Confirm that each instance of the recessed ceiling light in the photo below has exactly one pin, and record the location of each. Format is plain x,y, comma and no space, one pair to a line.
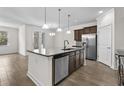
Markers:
100,12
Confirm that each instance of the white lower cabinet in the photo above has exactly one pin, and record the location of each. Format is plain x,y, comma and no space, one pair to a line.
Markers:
40,69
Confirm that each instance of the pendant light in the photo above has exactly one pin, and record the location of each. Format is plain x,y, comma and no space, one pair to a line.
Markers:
52,34
59,28
68,31
45,26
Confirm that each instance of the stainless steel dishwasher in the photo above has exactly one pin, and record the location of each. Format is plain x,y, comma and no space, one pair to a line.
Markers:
61,67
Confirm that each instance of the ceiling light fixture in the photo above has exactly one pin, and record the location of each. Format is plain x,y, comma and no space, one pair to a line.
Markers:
52,34
59,29
100,12
68,31
45,26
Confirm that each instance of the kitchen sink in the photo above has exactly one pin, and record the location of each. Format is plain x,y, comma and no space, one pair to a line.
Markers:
68,49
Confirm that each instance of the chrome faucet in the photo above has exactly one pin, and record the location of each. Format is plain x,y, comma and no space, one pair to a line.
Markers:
65,43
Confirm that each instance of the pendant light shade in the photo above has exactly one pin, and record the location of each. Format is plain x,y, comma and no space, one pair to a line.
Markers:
45,26
68,31
52,34
59,28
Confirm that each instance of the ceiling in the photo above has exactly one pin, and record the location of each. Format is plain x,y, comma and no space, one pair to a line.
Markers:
35,15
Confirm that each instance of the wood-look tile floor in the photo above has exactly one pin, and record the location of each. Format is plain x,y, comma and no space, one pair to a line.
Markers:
93,74
13,69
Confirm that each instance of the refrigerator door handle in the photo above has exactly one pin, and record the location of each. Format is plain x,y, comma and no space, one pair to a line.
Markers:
87,43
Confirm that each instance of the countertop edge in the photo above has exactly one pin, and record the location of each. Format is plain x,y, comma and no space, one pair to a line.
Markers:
54,54
39,53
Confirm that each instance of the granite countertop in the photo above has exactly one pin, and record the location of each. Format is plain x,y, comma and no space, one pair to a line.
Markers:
53,52
120,52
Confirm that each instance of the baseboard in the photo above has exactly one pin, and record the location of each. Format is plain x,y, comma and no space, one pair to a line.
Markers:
9,53
22,54
34,79
114,68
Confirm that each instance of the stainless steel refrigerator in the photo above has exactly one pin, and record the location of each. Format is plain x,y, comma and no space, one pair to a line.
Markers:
91,45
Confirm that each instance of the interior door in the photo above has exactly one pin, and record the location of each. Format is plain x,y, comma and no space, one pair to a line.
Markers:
104,44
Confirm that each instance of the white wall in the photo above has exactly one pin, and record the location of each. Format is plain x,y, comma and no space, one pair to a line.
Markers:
30,29
26,38
12,46
119,28
22,40
49,40
61,36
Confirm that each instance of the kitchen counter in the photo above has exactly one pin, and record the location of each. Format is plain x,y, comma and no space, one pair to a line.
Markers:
53,52
51,66
120,52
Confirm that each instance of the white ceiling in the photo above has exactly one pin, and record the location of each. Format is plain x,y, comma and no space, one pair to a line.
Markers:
35,15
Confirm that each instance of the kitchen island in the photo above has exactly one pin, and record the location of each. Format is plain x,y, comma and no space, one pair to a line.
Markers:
51,66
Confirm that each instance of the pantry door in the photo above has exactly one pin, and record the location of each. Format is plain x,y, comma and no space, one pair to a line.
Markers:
105,44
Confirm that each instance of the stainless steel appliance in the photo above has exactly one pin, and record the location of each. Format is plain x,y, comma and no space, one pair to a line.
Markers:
61,67
91,45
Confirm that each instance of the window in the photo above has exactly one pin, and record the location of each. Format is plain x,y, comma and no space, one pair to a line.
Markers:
3,38
39,39
43,39
36,40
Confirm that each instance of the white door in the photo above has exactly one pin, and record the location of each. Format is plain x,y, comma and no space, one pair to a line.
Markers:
104,44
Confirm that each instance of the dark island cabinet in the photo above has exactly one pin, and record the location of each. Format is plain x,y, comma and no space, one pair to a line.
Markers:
76,60
81,57
72,63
